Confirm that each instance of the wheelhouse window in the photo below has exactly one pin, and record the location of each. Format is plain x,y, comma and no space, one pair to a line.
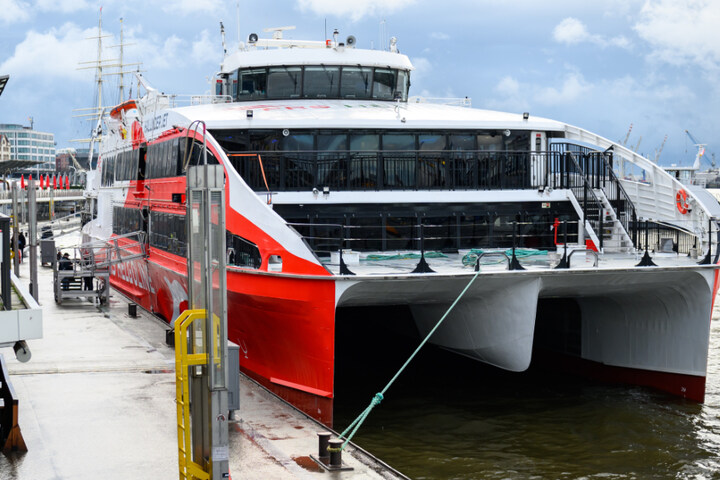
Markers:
284,82
252,84
320,81
385,84
356,82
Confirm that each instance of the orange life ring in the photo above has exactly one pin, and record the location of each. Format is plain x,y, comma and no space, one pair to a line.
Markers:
681,200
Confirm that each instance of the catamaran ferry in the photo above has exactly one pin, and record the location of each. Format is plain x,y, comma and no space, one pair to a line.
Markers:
344,191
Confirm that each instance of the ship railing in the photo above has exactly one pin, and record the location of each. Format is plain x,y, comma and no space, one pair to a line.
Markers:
7,195
454,234
597,167
451,101
174,101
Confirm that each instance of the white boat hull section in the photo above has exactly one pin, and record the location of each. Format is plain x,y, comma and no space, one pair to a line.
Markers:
652,318
496,328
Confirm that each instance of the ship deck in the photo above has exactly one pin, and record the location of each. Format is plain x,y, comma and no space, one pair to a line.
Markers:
497,260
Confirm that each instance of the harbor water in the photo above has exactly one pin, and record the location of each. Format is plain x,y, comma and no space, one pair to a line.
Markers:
448,417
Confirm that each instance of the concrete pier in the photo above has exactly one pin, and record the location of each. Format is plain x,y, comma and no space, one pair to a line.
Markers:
97,401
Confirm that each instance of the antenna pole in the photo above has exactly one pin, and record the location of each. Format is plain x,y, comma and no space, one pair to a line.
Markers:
99,62
122,75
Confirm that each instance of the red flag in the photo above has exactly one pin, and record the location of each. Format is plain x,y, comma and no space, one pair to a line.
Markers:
42,182
54,182
22,182
67,183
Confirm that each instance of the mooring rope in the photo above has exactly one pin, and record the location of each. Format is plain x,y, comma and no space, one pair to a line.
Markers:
355,425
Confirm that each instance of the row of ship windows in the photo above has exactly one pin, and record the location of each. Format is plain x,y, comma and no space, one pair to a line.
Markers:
323,81
368,140
160,160
168,233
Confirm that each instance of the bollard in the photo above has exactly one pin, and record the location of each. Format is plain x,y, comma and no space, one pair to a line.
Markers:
335,448
132,309
323,439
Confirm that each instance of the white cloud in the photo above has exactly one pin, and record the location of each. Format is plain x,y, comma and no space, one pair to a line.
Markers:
12,11
508,87
204,50
571,90
439,36
682,32
572,31
54,54
190,7
356,9
65,6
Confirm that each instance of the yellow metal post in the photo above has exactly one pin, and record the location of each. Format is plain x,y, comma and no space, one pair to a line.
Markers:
189,470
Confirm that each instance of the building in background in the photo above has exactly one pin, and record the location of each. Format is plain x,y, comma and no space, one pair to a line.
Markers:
4,148
32,146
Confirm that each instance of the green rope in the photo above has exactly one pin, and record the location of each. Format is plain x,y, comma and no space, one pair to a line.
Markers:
355,425
403,256
471,257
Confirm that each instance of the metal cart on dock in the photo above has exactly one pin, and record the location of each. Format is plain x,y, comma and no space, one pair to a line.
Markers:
86,273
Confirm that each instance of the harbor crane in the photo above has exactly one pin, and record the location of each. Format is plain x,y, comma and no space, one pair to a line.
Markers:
700,150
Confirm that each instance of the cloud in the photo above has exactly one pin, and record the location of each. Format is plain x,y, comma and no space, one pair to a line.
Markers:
682,32
12,11
191,7
65,6
572,31
54,54
512,95
439,36
204,50
356,9
573,87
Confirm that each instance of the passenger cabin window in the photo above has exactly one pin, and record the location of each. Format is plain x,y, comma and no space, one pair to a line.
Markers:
320,81
126,220
167,232
380,159
242,252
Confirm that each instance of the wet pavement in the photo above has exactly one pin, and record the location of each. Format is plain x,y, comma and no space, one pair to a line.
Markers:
97,400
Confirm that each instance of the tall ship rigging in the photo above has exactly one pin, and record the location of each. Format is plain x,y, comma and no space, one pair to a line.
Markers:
342,190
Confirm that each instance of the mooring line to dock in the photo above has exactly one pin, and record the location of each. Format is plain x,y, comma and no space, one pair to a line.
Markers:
378,397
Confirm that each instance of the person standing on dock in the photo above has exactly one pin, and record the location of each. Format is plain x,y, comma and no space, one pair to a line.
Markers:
21,245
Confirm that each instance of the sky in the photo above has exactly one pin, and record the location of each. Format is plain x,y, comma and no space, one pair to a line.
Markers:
600,65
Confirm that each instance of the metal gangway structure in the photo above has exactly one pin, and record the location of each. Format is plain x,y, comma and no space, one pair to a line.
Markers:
87,274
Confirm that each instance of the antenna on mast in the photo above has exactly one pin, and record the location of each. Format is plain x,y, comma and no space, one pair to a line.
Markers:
222,34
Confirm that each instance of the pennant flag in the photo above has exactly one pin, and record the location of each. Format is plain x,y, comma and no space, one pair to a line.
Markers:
22,182
67,183
54,182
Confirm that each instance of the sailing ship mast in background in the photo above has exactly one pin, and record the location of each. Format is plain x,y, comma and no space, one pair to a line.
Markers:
103,68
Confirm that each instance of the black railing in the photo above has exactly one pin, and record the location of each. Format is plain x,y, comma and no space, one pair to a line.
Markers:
324,238
620,201
665,238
